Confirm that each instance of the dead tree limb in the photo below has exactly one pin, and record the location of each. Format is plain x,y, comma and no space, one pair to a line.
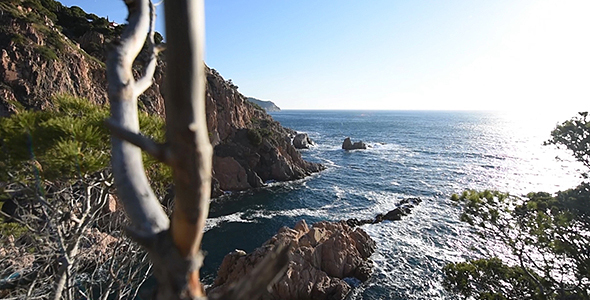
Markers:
174,250
174,247
138,199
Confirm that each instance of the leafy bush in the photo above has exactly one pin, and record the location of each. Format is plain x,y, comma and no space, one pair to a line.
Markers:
548,242
488,279
574,135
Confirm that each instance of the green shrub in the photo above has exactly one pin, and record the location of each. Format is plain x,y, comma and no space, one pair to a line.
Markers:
256,106
66,141
11,229
254,137
47,53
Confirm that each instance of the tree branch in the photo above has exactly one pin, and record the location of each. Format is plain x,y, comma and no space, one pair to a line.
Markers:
136,196
174,249
156,150
146,80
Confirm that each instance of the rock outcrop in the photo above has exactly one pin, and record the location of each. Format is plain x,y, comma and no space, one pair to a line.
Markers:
37,61
248,135
322,257
403,208
348,145
302,141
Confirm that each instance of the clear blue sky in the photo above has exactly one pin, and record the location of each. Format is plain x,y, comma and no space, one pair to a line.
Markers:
388,54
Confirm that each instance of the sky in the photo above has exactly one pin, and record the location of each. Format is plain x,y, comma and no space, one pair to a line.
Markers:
516,55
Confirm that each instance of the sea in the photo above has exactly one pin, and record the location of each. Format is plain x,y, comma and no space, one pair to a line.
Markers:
426,154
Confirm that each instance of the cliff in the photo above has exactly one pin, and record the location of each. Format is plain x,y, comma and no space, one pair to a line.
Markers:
50,49
268,106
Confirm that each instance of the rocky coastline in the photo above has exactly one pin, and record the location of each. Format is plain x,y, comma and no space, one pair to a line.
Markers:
38,60
325,257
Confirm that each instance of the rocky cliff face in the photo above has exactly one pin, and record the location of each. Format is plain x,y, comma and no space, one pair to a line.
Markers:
250,147
31,70
37,60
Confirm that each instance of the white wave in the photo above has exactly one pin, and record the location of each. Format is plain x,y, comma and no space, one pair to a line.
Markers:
425,183
235,217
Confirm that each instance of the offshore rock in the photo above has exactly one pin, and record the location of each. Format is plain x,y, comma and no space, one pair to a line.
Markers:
302,141
403,208
348,145
322,257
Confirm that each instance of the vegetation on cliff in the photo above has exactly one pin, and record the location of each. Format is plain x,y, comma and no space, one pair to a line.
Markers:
547,236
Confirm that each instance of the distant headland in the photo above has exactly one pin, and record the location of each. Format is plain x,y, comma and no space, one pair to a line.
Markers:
268,106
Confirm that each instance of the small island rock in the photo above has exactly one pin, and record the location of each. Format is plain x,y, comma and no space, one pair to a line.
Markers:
302,141
348,145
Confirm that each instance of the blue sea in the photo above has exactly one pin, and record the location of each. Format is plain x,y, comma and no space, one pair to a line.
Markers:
426,154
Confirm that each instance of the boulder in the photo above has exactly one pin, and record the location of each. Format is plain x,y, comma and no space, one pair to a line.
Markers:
348,145
322,257
394,215
230,174
302,141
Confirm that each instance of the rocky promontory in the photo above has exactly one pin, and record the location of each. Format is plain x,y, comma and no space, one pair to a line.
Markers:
250,147
324,258
321,258
267,105
59,50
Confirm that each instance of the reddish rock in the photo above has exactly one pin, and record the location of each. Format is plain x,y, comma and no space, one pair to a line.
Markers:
230,174
322,256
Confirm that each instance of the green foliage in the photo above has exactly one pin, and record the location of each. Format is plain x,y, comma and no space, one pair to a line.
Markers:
65,141
18,39
54,39
574,135
11,229
254,137
489,279
44,7
257,135
547,236
47,53
256,106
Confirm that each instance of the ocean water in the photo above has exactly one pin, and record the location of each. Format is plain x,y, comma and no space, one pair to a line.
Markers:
423,154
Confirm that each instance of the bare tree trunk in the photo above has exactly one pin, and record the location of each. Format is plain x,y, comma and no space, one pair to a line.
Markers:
186,131
174,247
